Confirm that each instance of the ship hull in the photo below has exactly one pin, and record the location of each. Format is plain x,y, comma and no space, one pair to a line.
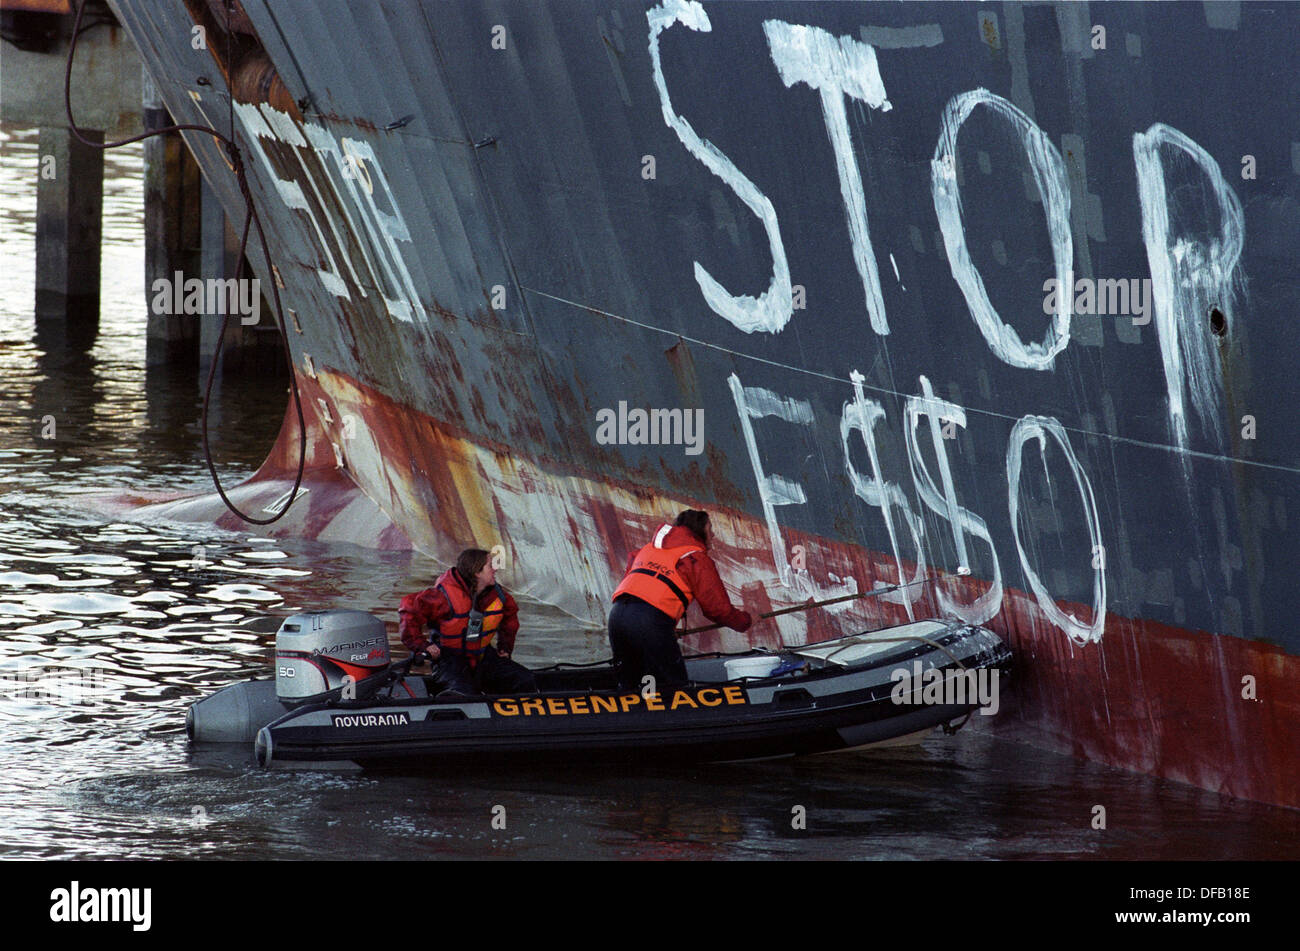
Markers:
823,234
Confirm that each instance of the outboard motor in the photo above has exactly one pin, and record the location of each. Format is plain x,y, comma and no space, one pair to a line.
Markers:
321,655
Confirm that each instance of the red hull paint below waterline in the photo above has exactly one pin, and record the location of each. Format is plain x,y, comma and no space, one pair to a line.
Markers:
1211,710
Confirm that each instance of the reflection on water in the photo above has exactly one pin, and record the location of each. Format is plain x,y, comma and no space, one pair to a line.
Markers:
110,628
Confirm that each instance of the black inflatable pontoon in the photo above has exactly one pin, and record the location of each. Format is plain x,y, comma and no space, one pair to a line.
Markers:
336,698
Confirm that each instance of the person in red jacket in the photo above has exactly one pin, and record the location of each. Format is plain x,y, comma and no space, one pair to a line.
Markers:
662,579
464,610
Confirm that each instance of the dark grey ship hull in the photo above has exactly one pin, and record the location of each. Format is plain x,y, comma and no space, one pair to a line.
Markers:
829,227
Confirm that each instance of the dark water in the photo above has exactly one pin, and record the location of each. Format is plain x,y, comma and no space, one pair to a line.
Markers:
110,628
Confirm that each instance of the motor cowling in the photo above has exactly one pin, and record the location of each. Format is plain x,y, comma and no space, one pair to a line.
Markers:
327,655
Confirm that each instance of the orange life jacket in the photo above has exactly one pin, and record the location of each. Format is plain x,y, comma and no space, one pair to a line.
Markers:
469,630
655,580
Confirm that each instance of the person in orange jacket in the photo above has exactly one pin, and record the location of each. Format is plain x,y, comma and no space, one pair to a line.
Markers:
464,610
661,581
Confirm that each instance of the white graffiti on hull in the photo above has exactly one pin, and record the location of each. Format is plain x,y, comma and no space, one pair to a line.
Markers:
1189,275
837,67
940,497
1049,176
380,230
943,501
1040,427
774,489
773,309
862,414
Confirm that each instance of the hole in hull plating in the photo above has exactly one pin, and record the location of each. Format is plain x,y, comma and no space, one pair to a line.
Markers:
1218,322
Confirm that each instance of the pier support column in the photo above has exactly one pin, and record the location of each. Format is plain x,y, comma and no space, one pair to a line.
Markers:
69,206
172,224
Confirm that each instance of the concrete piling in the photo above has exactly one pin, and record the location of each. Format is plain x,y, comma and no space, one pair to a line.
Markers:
69,204
172,232
186,229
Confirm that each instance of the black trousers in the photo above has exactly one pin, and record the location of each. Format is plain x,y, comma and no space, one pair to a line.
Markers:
492,674
644,642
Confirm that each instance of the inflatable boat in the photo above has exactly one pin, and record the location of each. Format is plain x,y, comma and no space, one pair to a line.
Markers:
336,697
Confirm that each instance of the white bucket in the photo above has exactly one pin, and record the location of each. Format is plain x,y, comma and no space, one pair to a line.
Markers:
759,666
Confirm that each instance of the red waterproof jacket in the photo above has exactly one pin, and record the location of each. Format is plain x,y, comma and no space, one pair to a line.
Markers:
431,607
701,574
